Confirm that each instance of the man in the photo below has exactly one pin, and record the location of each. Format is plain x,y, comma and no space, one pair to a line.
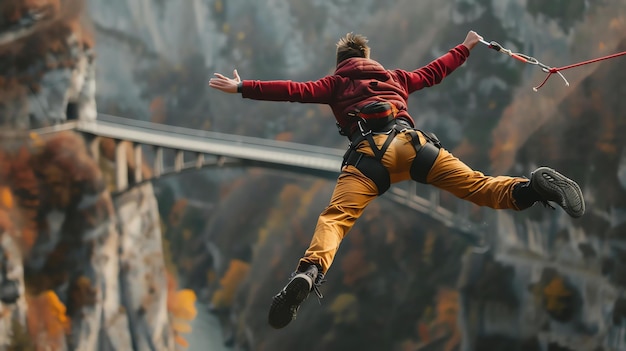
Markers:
370,106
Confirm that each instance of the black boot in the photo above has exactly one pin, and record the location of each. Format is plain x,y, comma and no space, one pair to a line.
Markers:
546,185
286,303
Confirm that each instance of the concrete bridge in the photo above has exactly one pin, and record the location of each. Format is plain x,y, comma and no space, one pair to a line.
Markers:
194,149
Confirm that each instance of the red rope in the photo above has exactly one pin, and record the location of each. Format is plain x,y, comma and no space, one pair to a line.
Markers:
557,69
554,70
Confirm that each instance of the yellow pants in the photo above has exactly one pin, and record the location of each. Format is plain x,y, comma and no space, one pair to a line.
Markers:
353,192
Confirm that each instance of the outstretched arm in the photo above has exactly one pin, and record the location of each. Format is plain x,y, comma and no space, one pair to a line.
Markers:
434,72
225,84
319,91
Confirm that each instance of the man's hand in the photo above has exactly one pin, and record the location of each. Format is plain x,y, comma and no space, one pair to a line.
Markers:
471,39
225,84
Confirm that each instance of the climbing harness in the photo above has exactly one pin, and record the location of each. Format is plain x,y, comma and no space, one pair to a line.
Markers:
382,121
545,68
372,166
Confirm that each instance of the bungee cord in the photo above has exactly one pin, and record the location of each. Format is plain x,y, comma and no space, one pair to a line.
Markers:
545,68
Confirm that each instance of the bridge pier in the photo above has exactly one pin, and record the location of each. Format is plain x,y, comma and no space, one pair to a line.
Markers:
138,164
121,166
94,148
179,161
199,160
158,162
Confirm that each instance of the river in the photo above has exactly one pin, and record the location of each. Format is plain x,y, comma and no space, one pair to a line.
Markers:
206,332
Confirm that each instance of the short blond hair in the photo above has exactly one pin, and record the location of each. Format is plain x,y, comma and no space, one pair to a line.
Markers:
352,45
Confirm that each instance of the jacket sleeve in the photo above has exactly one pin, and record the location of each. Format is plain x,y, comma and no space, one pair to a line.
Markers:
434,72
320,91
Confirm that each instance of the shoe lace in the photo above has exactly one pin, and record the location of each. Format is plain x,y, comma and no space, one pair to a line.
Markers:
316,287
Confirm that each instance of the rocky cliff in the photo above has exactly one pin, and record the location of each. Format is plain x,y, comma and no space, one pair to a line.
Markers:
83,267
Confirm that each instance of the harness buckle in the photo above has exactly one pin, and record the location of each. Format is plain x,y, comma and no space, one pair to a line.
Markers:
362,129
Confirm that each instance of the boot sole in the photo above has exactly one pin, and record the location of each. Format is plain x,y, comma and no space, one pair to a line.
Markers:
560,189
286,303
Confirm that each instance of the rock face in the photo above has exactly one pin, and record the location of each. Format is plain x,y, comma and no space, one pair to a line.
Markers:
82,269
142,271
48,63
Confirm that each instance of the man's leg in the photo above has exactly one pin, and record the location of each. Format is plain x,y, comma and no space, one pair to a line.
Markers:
353,192
351,196
504,192
451,174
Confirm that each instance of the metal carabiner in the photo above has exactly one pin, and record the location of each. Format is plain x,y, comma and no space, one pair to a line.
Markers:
526,59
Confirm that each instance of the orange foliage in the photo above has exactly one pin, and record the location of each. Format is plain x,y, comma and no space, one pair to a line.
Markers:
180,340
47,320
345,309
355,266
50,35
11,90
290,196
423,332
82,293
429,246
465,149
68,152
48,46
87,35
308,196
5,163
25,182
107,148
14,10
6,198
181,308
158,110
284,136
6,204
51,172
555,293
177,212
236,273
445,322
182,305
447,309
66,169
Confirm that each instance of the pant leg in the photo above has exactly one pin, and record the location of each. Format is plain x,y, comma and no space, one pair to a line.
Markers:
353,192
451,174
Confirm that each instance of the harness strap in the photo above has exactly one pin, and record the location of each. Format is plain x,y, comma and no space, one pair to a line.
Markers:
371,167
425,156
379,153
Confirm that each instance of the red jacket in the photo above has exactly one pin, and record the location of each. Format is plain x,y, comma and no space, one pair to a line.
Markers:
356,82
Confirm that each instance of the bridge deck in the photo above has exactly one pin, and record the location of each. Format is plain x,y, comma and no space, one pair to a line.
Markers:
316,160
